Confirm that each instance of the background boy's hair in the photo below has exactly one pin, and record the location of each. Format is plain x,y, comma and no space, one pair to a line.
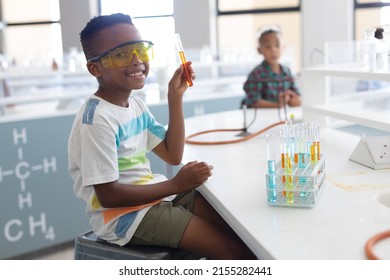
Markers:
267,29
90,35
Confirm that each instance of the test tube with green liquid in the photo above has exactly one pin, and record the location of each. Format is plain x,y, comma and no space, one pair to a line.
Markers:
302,160
302,148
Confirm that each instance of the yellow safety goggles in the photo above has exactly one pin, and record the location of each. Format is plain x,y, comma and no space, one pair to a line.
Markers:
122,55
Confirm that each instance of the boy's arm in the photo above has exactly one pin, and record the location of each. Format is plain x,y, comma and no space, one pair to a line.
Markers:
263,103
290,97
295,100
115,194
171,148
253,88
295,95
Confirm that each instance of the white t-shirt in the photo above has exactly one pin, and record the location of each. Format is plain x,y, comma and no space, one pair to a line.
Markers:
109,143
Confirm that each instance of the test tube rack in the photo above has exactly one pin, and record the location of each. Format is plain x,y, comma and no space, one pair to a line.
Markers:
304,187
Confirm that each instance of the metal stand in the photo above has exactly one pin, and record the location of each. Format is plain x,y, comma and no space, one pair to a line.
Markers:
245,129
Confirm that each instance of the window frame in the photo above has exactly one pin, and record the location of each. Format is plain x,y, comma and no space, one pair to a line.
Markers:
286,9
26,23
157,64
357,6
99,7
21,23
259,11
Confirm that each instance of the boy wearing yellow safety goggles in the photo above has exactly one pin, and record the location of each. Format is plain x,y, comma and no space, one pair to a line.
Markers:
111,135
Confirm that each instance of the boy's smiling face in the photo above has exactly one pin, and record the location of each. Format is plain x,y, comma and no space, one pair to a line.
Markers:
123,79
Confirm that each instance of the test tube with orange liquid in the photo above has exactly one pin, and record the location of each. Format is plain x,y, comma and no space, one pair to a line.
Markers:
180,50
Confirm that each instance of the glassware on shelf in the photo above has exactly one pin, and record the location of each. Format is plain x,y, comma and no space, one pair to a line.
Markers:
367,50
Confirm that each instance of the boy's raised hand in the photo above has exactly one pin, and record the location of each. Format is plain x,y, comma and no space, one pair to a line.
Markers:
178,84
192,175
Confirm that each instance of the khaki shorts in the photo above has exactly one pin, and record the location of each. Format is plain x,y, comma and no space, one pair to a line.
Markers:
164,223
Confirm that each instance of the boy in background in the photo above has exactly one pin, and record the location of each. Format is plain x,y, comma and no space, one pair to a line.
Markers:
108,145
270,84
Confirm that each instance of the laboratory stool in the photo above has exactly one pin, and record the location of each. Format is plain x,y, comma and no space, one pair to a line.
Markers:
89,247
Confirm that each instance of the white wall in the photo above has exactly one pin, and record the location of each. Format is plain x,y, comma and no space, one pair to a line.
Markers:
192,21
323,21
74,16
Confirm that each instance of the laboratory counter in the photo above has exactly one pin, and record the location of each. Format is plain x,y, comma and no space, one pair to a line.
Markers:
353,206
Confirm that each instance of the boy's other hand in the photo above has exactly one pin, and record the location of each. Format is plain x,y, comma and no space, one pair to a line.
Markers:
285,96
192,175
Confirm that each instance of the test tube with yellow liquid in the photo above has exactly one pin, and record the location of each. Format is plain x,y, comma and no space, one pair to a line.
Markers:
315,145
180,50
289,172
317,140
283,156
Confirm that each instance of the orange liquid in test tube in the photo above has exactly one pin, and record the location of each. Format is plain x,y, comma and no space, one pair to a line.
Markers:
183,60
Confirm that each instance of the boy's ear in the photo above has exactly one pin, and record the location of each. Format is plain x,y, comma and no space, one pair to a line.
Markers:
94,69
259,50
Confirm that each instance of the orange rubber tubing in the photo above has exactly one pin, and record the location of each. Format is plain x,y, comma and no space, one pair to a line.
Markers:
369,248
250,136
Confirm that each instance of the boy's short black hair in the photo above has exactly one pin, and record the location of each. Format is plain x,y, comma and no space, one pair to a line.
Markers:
89,36
267,29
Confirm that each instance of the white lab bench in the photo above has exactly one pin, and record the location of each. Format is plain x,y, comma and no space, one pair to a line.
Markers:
354,204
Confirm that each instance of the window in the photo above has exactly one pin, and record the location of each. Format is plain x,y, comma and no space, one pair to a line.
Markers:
370,13
249,16
153,18
144,8
23,27
230,5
